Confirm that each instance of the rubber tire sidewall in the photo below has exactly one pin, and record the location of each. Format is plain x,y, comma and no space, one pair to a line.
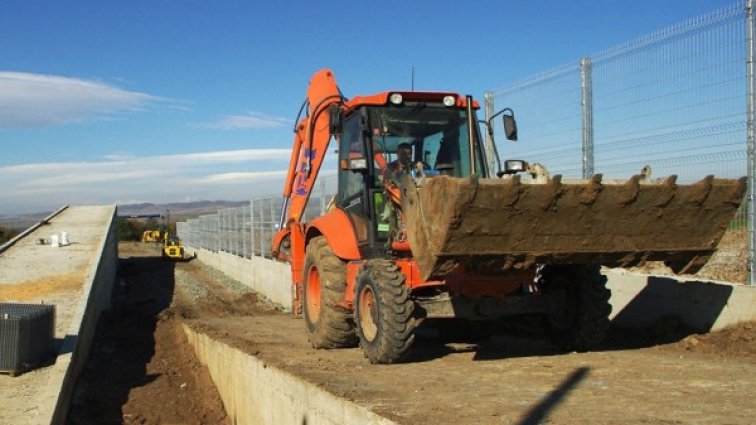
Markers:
395,312
588,291
334,327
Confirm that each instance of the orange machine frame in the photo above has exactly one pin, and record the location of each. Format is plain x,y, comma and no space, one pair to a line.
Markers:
312,137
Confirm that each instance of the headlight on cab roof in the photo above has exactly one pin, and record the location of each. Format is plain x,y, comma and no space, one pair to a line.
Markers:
396,98
450,101
514,166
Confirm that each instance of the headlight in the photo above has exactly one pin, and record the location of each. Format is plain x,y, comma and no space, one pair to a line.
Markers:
395,98
449,101
514,166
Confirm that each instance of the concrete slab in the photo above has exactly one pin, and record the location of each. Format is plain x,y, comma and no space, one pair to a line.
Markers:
77,279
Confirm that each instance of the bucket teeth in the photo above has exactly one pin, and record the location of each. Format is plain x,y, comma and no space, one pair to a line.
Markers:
554,191
590,191
667,191
699,191
630,190
510,193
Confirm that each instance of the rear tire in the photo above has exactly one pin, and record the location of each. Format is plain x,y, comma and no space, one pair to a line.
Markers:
323,287
383,312
584,320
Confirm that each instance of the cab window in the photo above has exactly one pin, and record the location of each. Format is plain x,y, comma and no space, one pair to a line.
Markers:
351,184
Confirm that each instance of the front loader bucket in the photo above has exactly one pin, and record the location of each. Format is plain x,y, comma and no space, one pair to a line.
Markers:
493,225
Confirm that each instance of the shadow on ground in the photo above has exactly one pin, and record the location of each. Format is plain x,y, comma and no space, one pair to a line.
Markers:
124,343
528,337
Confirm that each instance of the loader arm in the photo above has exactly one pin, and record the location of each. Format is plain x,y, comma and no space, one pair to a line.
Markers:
311,140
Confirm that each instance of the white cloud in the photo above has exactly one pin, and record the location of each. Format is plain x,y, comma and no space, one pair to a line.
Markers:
250,120
242,177
37,100
146,164
230,175
119,156
219,157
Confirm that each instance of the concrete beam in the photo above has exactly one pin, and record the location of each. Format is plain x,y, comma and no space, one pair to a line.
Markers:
257,393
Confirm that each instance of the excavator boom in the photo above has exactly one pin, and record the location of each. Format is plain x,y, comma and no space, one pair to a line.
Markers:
311,141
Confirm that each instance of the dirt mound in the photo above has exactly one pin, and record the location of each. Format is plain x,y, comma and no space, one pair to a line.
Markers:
735,341
668,334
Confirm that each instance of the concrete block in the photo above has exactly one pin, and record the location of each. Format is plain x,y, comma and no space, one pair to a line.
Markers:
639,300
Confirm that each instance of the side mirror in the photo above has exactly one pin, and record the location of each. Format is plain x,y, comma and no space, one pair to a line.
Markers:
336,124
510,127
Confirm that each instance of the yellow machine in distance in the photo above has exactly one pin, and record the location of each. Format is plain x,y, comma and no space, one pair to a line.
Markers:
151,236
172,247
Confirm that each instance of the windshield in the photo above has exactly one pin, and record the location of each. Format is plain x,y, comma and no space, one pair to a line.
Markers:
419,135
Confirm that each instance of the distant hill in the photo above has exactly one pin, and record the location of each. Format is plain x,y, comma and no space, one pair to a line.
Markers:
179,211
22,221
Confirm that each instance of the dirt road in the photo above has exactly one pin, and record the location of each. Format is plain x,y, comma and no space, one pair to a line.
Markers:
660,375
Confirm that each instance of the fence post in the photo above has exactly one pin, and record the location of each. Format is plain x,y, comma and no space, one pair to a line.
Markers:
751,142
235,230
252,228
262,227
216,225
490,152
244,232
322,195
586,92
272,227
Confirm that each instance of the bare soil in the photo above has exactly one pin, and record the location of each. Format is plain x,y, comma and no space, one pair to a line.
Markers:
142,370
660,375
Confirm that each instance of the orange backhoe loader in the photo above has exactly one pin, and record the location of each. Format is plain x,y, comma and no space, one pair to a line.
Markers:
421,228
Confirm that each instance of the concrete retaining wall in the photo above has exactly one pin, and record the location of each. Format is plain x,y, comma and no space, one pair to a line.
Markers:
267,277
638,300
77,344
254,392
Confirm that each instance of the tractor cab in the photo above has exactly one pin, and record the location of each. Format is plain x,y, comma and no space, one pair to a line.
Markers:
413,134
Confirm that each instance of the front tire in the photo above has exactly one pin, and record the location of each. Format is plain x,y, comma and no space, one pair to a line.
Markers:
582,322
383,312
324,284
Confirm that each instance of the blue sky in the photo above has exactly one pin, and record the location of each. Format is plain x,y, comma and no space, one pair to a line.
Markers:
169,101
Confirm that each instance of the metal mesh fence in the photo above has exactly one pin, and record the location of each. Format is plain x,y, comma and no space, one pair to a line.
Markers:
248,230
548,120
675,100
